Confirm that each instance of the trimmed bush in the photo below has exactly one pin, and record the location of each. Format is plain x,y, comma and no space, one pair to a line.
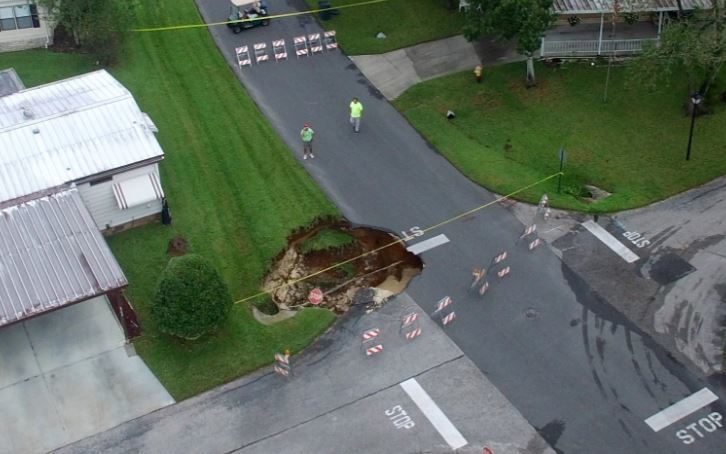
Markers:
191,298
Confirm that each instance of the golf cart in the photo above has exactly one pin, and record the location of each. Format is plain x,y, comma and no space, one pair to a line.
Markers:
254,14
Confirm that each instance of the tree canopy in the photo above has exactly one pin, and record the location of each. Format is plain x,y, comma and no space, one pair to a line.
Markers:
693,46
97,26
523,20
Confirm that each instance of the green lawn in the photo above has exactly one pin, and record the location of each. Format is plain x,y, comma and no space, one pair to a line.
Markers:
505,136
405,23
234,189
325,239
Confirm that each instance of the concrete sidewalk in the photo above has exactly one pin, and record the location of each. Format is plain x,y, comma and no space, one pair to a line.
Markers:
394,72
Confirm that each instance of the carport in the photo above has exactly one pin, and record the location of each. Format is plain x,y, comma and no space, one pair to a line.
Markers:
65,364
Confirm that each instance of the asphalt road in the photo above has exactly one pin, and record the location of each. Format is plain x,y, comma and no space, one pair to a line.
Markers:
577,370
338,400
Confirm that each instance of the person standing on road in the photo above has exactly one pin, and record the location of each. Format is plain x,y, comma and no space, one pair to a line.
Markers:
306,134
356,111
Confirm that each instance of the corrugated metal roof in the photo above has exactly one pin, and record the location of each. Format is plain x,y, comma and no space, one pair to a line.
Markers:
10,82
67,130
51,255
606,6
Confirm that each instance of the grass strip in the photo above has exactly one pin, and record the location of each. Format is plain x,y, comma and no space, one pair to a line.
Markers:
633,145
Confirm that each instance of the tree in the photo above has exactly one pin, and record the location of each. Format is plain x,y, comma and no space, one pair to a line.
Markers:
525,20
693,46
191,298
97,26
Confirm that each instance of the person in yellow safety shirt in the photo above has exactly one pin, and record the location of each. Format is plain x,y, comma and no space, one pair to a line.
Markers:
356,111
306,134
477,73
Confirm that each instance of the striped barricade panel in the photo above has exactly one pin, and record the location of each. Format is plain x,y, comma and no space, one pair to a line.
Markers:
316,45
370,334
261,52
243,56
448,318
370,351
301,46
413,334
330,41
279,49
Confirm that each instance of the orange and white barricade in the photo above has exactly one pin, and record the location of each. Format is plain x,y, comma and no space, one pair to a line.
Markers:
502,256
282,364
261,52
329,40
316,45
410,328
373,350
534,244
300,43
279,50
370,344
370,334
448,318
503,272
413,334
243,56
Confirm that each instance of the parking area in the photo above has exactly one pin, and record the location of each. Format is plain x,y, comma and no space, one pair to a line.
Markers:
69,374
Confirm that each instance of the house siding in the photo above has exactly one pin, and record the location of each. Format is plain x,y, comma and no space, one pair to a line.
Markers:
101,203
29,38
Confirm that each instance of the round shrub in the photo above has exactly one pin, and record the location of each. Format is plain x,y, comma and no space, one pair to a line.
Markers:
191,299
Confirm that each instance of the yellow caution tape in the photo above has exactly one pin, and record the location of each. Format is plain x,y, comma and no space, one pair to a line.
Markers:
397,241
278,16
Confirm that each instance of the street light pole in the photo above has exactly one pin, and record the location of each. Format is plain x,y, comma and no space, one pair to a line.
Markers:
695,101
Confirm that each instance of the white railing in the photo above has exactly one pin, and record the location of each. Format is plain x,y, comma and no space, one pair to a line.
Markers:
592,48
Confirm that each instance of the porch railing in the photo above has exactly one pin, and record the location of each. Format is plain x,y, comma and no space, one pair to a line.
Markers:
592,48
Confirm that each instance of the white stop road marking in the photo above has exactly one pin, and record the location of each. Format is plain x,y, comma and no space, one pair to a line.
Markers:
681,409
431,243
434,414
610,241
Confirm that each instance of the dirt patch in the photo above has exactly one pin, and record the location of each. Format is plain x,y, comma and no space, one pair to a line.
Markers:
177,246
369,269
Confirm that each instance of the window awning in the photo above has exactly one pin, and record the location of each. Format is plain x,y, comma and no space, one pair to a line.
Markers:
137,191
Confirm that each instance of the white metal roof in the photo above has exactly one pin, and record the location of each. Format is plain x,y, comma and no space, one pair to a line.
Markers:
51,255
61,132
10,82
606,6
244,3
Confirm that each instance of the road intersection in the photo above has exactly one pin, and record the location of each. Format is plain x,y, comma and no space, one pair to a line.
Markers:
585,377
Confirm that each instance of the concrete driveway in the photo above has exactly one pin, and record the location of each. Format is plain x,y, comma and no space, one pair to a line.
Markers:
67,375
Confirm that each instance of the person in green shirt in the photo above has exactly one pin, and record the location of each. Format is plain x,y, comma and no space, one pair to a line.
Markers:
356,111
306,134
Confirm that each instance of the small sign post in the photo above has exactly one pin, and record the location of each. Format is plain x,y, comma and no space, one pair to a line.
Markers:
562,166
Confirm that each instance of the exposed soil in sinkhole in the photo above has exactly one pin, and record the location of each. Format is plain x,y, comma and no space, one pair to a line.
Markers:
351,265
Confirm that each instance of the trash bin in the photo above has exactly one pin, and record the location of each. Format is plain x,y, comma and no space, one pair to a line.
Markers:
325,15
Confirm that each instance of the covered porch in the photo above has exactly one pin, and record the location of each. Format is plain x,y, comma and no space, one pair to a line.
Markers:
585,28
